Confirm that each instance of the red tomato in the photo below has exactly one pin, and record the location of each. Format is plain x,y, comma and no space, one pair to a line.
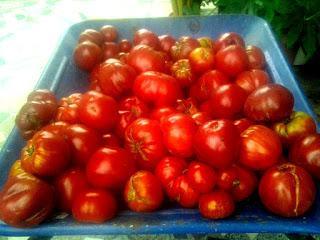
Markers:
217,143
242,124
86,55
166,42
207,42
109,50
125,45
144,58
58,128
143,138
110,168
183,47
123,57
110,140
68,108
157,89
178,131
109,32
216,205
227,102
143,192
159,113
67,186
94,86
187,106
98,111
270,102
201,118
84,141
306,153
201,177
201,59
260,147
252,79
181,70
94,206
91,35
256,57
146,37
287,190
184,193
232,60
237,180
228,39
46,154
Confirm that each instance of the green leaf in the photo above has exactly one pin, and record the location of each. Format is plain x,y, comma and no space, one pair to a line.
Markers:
293,34
309,42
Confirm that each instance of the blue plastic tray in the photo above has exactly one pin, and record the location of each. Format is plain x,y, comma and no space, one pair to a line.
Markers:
63,77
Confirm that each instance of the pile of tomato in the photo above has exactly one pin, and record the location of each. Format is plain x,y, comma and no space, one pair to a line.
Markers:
193,122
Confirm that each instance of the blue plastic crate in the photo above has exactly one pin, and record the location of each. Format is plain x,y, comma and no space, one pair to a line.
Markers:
63,77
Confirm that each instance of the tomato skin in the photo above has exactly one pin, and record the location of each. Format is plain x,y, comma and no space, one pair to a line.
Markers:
125,45
201,177
58,128
84,141
166,42
183,192
305,152
178,131
91,35
217,143
216,205
109,50
256,57
201,118
269,103
146,37
143,138
228,39
157,89
94,206
110,140
207,42
68,108
296,194
181,70
98,111
260,148
86,55
143,192
160,113
186,106
252,79
183,47
109,32
67,186
201,59
242,124
46,154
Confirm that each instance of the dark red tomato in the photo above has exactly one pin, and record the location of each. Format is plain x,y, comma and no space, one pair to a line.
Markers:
123,57
26,202
201,117
232,60
184,193
42,95
252,79
143,192
227,102
201,177
187,106
94,206
109,32
260,148
67,186
306,153
166,42
86,55
130,109
110,140
201,59
178,130
242,124
144,58
91,35
228,39
217,143
287,190
125,45
216,205
58,128
68,108
98,111
157,89
146,37
238,181
94,86
207,42
183,47
46,154
207,84
270,102
181,70
110,168
143,138
159,113
256,57
109,50
84,141
116,79
206,107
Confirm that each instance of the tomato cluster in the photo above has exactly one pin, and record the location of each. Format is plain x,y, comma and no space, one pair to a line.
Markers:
192,121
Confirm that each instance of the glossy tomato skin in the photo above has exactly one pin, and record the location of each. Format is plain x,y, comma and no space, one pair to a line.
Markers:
157,89
84,141
217,143
242,124
216,205
228,39
109,32
110,168
184,193
201,118
143,192
68,108
306,153
256,57
110,140
58,128
187,106
86,55
159,113
146,37
67,186
94,206
201,59
91,35
46,154
252,79
143,138
166,42
296,194
98,111
260,148
181,70
207,42
269,103
125,45
109,50
183,47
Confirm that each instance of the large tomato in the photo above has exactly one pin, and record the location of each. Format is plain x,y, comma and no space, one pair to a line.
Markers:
228,39
201,59
68,108
91,35
256,57
187,106
146,37
183,47
109,32
252,79
182,71
183,192
166,42
86,55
